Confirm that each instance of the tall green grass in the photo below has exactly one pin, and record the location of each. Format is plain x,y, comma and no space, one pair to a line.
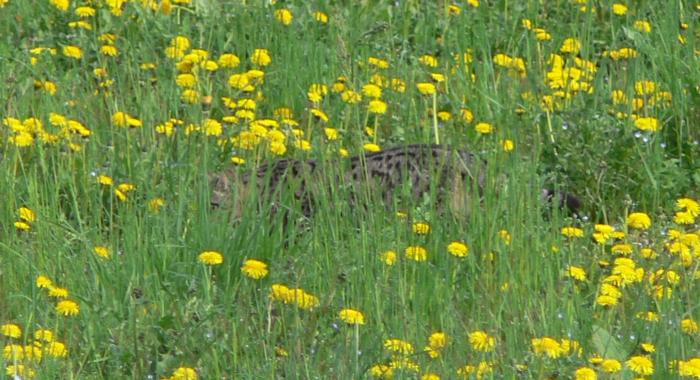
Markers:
152,308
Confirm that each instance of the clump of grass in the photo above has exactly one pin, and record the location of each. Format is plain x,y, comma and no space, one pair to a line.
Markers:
115,266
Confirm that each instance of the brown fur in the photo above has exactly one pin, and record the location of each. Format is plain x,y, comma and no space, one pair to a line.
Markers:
418,169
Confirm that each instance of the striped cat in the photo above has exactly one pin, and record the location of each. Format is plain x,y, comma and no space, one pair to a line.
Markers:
413,171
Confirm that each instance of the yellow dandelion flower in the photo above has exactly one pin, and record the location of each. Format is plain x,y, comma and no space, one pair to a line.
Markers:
576,273
72,51
23,226
647,124
689,368
284,16
13,352
548,346
426,88
11,330
689,205
33,352
352,317
237,160
372,91
399,346
610,366
640,365
321,17
68,308
122,119
261,57
622,249
56,349
304,145
458,249
60,4
428,60
105,180
483,128
351,97
389,258
58,292
572,232
319,114
437,340
503,60
505,236
43,335
642,26
571,46
186,80
212,127
377,106
26,214
421,228
639,220
108,38
109,50
184,373
382,371
689,326
648,347
371,147
648,253
190,96
481,341
20,371
43,282
254,269
398,85
585,373
619,9
542,34
467,115
229,60
156,204
508,145
278,148
303,300
211,258
378,62
623,53
102,251
416,253
239,81
85,11
317,92
331,133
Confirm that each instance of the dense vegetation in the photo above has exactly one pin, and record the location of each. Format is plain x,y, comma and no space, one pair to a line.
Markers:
114,112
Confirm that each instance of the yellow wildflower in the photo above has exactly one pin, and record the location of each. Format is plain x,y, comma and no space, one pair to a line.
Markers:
458,249
416,253
68,308
284,16
619,9
641,365
639,220
254,269
211,258
352,317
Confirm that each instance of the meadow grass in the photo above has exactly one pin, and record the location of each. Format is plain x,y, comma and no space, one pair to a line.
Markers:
114,112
